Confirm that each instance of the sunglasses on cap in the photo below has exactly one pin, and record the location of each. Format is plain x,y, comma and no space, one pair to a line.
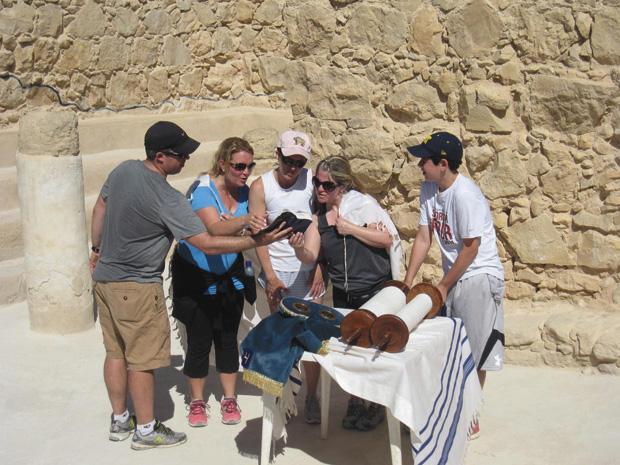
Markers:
328,186
292,163
242,166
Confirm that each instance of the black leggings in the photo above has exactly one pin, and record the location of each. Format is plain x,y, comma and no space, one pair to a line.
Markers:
208,319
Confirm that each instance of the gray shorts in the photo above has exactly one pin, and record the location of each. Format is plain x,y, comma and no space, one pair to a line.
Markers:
478,301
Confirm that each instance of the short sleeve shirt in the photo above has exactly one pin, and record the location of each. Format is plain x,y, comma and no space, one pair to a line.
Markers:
143,215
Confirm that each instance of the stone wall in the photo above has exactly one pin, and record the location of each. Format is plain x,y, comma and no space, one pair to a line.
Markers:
531,87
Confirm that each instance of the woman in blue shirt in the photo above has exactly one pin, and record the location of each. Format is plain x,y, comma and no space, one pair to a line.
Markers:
208,290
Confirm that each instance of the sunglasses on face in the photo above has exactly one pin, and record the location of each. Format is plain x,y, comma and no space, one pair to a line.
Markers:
170,153
242,166
328,186
292,163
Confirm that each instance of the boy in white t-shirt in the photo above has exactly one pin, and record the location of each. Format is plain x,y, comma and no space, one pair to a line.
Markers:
454,210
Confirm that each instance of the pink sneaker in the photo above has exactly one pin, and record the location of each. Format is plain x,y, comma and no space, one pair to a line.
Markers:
474,430
198,415
231,413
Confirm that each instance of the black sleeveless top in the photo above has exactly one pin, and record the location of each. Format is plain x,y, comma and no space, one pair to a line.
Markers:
366,266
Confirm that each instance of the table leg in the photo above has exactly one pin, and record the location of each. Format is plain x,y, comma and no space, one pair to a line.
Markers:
269,405
326,385
394,432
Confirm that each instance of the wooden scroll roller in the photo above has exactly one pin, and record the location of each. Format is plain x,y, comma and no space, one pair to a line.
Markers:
391,332
355,327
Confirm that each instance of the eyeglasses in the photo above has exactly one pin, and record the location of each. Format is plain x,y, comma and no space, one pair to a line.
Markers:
292,163
170,153
328,186
242,166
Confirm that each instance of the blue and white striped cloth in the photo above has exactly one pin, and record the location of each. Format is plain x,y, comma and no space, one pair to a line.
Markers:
431,386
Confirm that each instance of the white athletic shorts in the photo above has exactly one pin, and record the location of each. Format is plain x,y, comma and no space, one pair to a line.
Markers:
296,282
478,301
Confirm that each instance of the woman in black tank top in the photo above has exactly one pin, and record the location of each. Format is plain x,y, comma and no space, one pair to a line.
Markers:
356,257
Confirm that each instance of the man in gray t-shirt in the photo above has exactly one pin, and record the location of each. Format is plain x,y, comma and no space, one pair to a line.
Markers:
135,219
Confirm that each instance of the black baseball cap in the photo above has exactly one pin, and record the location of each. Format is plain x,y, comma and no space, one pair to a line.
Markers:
165,135
439,144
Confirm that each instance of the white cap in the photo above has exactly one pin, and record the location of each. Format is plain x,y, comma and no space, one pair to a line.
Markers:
294,143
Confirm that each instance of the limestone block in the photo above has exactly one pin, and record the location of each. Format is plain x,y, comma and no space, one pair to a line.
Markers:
559,326
523,357
11,94
518,215
598,252
125,89
485,106
45,52
7,61
586,220
528,276
410,177
537,242
89,22
309,30
557,359
371,152
406,219
191,83
113,54
175,52
245,11
426,32
569,105
220,78
224,43
269,12
278,73
505,178
263,141
561,182
49,21
478,158
200,43
413,101
336,94
205,14
474,29
583,22
158,86
537,165
510,73
145,51
126,22
586,333
607,347
518,291
378,26
573,281
270,40
522,329
446,82
16,20
158,22
605,40
76,57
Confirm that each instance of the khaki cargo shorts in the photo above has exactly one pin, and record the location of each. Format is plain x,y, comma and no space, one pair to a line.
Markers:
135,324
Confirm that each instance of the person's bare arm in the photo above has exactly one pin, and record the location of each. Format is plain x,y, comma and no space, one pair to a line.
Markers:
308,244
96,228
421,245
465,258
216,245
257,207
217,226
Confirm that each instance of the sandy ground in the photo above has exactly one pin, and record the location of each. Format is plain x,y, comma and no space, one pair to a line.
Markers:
54,410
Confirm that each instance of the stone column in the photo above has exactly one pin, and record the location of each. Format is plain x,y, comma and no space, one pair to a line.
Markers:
51,196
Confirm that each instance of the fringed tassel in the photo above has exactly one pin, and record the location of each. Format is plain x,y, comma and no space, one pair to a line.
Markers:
324,350
259,380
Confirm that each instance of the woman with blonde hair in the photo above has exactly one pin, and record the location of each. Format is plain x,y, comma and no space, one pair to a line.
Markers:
360,248
208,290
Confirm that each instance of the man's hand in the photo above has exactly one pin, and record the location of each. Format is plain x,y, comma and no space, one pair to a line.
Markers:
92,261
317,284
276,235
274,290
